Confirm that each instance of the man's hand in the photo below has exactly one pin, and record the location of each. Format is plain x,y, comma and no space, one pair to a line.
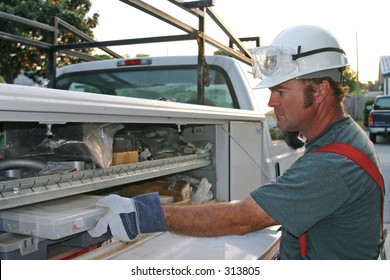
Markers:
127,217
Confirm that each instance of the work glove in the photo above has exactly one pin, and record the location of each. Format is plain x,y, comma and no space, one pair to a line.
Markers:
127,217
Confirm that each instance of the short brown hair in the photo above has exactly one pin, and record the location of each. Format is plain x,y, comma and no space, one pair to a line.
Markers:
340,92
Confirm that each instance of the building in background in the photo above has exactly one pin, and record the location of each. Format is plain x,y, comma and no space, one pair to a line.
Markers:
384,74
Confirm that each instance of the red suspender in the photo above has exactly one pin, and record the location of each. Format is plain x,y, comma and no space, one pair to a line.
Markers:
364,162
303,246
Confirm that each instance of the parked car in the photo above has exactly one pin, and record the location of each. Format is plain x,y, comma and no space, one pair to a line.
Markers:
379,118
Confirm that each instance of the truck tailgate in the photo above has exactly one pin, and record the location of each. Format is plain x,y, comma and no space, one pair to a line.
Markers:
263,244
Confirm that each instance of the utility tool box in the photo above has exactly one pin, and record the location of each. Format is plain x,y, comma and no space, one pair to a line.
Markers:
53,219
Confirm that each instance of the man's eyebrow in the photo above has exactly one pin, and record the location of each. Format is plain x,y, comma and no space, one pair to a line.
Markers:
278,87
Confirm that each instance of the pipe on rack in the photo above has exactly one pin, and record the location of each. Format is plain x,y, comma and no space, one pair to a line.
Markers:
21,163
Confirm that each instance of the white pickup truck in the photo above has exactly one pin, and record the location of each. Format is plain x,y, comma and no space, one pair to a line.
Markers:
151,104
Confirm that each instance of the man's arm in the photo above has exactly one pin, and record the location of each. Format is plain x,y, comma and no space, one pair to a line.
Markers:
217,219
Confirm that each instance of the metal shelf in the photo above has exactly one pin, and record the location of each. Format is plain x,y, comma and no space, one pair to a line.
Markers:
37,189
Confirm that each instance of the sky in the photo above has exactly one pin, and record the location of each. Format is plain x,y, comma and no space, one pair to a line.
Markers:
361,27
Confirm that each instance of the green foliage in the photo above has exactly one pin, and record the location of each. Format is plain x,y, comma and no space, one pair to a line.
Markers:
33,62
103,56
218,52
350,80
371,86
142,55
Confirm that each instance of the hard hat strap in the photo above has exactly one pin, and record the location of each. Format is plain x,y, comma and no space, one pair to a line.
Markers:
303,54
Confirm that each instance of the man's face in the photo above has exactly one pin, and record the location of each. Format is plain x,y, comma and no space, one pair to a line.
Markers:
293,110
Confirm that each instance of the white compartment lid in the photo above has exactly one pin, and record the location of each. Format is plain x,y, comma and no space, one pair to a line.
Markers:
53,214
57,210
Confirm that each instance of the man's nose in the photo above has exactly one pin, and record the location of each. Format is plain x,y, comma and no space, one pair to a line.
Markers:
273,100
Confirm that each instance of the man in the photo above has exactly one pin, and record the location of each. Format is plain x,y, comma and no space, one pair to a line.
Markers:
324,196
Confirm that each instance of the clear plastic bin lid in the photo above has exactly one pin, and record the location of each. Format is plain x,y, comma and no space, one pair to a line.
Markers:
55,218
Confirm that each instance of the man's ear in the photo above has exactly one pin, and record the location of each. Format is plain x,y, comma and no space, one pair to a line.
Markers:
323,90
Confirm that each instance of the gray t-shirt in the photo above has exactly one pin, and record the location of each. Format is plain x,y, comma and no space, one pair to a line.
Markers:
330,198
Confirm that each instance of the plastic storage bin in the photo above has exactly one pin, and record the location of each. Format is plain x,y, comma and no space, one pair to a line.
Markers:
54,219
16,246
21,247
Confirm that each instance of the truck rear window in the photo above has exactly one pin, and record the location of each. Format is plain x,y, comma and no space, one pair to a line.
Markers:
177,85
382,103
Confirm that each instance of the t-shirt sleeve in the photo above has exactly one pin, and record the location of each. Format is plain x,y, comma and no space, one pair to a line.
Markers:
307,192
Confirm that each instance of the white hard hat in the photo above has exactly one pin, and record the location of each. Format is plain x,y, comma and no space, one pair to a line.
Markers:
299,52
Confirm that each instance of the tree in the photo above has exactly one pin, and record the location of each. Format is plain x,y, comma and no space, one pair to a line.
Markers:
350,79
142,55
371,86
218,52
16,58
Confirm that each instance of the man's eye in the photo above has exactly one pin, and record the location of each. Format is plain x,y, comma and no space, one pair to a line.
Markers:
282,92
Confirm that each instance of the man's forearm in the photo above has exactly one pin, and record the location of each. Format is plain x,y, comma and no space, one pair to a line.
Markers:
216,219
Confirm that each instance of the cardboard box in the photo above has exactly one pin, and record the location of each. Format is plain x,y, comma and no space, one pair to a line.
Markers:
179,191
119,158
